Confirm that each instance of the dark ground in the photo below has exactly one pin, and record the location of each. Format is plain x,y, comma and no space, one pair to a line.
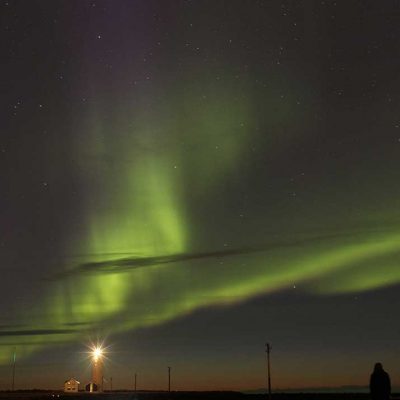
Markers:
183,396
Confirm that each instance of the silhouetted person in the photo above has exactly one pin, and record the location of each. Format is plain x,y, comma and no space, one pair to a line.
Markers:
379,384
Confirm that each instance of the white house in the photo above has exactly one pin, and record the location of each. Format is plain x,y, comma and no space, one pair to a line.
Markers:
71,385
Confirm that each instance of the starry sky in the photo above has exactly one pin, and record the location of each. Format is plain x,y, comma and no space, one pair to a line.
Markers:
185,181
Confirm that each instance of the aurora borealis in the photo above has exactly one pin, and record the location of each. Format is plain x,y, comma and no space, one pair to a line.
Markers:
190,179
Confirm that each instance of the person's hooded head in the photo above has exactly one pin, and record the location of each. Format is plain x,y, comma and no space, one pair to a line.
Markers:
378,367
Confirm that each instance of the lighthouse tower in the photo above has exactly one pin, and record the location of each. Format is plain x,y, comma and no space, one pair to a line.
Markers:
97,368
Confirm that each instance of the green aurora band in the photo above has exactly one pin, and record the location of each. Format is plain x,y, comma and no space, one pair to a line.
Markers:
140,182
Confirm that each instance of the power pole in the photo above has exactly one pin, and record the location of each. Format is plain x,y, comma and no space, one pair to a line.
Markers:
268,350
135,380
13,369
169,379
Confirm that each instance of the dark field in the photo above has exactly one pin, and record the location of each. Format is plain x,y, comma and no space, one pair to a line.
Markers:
184,396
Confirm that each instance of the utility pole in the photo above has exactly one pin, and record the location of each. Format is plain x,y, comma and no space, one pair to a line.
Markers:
13,369
135,381
169,379
268,350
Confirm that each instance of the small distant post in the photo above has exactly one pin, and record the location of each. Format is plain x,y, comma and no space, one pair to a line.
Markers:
13,369
111,383
135,381
268,350
169,379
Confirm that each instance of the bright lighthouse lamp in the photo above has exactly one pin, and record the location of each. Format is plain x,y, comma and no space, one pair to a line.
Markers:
97,353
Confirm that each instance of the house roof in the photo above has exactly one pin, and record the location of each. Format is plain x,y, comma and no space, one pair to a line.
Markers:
72,380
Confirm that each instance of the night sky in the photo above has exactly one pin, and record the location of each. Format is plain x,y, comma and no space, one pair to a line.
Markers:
187,180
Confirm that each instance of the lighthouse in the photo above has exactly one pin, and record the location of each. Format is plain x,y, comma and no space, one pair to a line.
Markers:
97,370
